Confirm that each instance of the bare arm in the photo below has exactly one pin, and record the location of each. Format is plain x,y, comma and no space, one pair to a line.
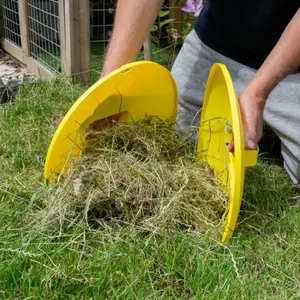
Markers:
282,61
134,19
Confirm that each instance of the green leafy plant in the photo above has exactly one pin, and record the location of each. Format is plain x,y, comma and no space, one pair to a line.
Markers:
161,21
161,32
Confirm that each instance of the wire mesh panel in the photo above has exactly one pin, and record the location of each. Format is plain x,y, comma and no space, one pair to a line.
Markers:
11,21
101,25
44,32
101,18
167,35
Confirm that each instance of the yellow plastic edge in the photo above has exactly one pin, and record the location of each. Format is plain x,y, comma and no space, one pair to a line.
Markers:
151,70
251,157
241,158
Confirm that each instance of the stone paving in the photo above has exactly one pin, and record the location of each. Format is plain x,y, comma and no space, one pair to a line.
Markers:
12,75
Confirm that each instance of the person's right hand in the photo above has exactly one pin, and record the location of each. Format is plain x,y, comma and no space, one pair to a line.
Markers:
251,107
95,127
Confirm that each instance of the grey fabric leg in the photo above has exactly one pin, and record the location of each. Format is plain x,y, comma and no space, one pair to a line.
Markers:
282,112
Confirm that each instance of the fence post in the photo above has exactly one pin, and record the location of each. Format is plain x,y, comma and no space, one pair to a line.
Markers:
62,30
75,39
24,28
148,48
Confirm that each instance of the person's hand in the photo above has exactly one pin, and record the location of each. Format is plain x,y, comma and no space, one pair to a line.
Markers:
252,107
95,127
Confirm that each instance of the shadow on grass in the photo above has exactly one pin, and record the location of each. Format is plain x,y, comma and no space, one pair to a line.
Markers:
268,191
268,194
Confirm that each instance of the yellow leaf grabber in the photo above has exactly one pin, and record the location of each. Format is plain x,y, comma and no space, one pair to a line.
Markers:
142,89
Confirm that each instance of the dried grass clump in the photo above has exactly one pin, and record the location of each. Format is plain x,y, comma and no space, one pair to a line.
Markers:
140,176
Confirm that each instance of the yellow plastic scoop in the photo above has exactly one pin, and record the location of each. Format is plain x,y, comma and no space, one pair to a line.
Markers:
133,91
145,89
220,122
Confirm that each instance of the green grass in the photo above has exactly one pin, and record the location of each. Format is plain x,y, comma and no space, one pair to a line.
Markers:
261,262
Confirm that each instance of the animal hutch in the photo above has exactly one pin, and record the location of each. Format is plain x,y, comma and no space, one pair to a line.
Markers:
52,37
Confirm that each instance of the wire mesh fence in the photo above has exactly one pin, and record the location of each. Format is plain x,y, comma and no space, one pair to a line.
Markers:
101,20
11,21
44,32
167,34
102,14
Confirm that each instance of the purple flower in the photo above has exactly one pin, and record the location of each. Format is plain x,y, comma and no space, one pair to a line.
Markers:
193,6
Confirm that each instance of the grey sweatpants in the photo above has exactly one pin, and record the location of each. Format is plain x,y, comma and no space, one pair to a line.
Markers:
282,111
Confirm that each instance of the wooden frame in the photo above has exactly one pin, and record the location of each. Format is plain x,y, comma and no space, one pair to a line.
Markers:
75,43
32,65
74,16
24,28
75,37
23,54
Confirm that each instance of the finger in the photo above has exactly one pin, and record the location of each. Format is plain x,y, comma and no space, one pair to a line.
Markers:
250,144
102,123
99,125
230,146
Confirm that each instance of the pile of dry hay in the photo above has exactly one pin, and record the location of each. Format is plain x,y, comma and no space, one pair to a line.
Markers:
141,176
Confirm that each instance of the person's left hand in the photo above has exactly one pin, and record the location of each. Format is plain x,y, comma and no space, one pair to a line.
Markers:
95,127
251,106
252,109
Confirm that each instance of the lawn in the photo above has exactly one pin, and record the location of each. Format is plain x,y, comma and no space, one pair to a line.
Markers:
260,262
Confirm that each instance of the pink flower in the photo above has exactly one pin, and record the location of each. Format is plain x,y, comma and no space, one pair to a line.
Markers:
193,6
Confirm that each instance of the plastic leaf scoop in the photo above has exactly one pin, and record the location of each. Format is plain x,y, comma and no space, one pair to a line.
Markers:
143,89
220,122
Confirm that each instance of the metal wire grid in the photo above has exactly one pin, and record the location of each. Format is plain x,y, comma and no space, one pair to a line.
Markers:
44,34
101,18
11,20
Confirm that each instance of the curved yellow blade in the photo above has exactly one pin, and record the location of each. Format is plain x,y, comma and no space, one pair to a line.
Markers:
133,91
220,122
